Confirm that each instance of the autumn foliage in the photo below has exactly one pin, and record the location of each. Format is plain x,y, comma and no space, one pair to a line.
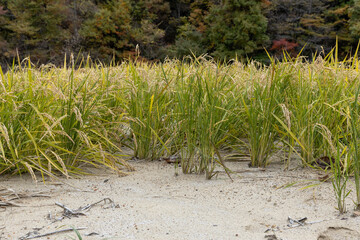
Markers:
281,45
47,30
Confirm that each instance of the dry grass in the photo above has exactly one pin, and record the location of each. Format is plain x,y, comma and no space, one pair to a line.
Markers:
54,119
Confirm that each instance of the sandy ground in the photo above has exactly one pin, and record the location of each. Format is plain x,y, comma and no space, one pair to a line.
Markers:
153,203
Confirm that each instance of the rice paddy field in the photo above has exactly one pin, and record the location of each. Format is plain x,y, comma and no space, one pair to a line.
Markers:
56,121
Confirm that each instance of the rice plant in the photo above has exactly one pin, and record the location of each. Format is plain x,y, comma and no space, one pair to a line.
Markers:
55,120
204,106
149,111
340,178
354,113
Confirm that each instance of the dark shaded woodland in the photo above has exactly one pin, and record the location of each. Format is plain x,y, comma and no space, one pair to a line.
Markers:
46,30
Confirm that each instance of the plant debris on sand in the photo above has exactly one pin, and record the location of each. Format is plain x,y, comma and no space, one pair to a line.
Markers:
156,204
58,121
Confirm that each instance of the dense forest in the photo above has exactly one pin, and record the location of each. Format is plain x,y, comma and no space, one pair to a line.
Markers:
47,30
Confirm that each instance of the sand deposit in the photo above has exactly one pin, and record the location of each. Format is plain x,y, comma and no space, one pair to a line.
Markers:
154,203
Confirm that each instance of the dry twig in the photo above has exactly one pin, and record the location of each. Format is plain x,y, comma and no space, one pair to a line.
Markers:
7,195
28,235
81,210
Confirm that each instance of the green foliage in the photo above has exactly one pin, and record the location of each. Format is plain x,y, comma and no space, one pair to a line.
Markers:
5,51
37,26
53,120
189,42
354,116
148,37
315,24
204,108
118,29
149,109
261,105
199,11
355,20
236,28
340,178
147,18
108,32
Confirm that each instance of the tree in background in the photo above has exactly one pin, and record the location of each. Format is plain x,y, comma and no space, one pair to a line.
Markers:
180,9
189,42
36,27
149,18
355,20
108,32
149,38
190,37
314,23
47,29
5,50
78,12
199,10
236,28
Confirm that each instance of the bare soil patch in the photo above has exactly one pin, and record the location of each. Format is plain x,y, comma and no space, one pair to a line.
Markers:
154,203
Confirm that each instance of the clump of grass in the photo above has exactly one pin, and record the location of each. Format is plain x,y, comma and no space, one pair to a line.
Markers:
340,179
354,119
54,120
149,108
204,110
260,104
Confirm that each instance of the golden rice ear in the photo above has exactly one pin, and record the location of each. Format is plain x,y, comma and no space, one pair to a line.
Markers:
55,121
31,171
